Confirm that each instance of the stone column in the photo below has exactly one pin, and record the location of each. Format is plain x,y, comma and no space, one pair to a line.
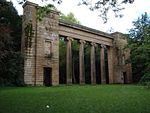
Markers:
69,61
93,67
110,64
81,63
102,62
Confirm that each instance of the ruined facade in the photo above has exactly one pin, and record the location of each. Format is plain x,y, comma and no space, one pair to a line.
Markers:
40,45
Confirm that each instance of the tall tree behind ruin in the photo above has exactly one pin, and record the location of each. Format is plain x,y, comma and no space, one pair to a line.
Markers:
139,44
10,44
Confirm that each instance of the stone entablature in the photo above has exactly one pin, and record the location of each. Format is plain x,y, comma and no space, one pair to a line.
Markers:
42,56
84,33
84,29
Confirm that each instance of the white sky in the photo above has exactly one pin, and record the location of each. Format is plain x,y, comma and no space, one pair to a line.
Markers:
91,19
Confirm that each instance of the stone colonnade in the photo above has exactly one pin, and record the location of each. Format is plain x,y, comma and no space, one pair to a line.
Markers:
92,62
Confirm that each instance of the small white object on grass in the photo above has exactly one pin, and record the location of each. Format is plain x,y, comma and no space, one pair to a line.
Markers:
47,106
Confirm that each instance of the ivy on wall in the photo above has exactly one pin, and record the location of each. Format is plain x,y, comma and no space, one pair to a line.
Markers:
28,35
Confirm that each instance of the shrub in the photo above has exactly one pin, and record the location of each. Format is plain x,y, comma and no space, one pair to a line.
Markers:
145,80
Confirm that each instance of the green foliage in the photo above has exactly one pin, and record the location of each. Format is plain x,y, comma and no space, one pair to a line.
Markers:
69,18
11,60
139,44
75,99
11,69
10,22
43,11
145,80
87,63
62,60
75,59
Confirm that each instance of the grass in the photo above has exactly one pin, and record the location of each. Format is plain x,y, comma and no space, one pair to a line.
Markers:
75,99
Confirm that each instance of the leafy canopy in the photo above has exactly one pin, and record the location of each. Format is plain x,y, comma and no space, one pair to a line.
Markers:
139,44
69,18
10,45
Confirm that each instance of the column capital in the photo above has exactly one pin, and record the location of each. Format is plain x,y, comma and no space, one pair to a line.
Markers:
82,41
103,46
93,43
69,39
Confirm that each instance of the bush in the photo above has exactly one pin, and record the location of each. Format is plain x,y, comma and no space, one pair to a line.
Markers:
145,80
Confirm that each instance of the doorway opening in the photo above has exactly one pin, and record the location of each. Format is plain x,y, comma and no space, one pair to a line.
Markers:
47,76
125,77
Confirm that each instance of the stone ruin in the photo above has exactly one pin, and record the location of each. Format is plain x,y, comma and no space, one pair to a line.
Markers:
40,45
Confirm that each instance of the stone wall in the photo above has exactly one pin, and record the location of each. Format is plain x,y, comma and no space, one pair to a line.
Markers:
121,56
45,31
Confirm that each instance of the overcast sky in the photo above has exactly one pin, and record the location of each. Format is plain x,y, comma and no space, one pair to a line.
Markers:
91,19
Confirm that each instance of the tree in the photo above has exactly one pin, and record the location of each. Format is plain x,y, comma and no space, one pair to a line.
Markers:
102,6
10,43
69,18
139,44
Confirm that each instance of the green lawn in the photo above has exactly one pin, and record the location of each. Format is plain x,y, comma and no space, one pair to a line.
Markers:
75,99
